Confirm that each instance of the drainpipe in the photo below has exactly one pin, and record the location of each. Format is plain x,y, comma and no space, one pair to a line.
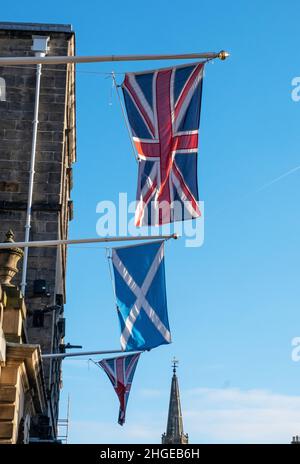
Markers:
40,47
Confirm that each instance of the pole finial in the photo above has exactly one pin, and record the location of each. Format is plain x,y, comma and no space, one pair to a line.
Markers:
223,55
174,364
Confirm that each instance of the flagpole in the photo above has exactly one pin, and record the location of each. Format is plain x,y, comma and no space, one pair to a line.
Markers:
84,353
50,243
24,60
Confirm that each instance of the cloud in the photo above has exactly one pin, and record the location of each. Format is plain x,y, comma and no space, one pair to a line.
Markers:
241,416
211,415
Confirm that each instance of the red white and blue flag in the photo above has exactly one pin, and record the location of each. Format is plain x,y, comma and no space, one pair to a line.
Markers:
120,372
163,109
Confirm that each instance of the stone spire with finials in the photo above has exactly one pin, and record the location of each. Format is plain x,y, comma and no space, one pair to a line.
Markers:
175,434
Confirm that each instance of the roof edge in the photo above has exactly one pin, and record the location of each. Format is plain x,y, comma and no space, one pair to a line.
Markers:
36,27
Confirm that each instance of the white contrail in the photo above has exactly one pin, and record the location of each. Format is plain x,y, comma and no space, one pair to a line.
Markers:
271,182
259,189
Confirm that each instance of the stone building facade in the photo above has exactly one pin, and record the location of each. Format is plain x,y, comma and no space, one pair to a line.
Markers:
23,397
52,208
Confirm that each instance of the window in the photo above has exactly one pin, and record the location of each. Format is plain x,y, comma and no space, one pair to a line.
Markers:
38,318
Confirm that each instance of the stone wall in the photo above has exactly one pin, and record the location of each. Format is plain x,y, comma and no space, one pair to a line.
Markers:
22,387
52,206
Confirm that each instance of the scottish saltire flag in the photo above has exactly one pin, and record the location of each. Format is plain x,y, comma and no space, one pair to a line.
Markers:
163,109
120,372
139,274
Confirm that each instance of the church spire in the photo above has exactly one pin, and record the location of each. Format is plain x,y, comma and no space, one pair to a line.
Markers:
174,434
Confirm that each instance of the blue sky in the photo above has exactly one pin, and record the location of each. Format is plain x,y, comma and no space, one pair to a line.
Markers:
234,302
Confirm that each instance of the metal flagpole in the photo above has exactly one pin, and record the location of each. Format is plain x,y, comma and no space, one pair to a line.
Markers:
49,243
85,353
21,60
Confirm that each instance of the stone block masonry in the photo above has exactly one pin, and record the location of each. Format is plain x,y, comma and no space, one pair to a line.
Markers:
56,152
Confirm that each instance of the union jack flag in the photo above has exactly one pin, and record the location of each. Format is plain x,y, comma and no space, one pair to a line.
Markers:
163,109
120,372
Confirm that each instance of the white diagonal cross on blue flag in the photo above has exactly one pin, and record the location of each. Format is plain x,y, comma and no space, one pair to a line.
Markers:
140,285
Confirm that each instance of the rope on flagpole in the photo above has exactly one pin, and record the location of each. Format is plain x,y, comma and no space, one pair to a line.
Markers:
96,364
124,116
109,261
126,353
109,258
